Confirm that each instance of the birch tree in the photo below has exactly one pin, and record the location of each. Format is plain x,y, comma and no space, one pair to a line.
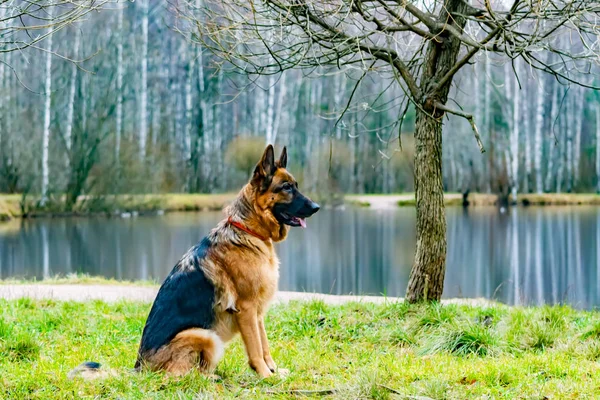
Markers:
47,110
270,111
569,142
143,135
119,116
553,140
280,102
538,144
191,70
527,135
598,149
514,138
578,125
71,104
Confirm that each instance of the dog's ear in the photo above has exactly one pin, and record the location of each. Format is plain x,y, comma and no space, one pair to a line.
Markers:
263,173
282,162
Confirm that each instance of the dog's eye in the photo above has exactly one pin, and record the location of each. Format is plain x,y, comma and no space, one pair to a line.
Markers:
287,186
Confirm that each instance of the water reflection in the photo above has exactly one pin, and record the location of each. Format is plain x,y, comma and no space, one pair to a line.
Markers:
523,256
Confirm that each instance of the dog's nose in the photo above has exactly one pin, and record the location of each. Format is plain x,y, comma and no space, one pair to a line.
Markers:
314,207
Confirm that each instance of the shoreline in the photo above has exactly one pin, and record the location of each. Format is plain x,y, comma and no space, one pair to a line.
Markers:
157,204
110,293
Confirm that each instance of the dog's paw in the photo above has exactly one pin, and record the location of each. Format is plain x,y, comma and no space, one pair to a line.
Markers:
270,363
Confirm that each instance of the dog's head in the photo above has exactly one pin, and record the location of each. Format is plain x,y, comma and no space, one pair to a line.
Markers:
277,191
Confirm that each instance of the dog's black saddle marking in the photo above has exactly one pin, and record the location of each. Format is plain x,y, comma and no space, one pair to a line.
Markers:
185,300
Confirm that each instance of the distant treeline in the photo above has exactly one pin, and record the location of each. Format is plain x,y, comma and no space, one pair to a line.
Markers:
123,103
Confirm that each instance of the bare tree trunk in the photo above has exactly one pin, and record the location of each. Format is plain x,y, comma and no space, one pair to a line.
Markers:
561,153
4,88
144,82
598,154
339,87
526,130
71,104
426,280
578,122
280,101
270,111
217,130
476,182
488,116
553,141
539,123
47,106
514,140
189,106
569,149
119,121
507,148
427,275
203,135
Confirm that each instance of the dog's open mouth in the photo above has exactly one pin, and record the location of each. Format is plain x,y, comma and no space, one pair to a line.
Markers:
293,221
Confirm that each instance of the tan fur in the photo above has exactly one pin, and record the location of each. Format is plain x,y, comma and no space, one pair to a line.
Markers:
189,349
245,272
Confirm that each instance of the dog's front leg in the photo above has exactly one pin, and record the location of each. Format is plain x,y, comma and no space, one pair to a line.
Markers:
265,344
247,320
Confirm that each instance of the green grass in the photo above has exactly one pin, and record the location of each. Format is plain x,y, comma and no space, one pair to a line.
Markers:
351,351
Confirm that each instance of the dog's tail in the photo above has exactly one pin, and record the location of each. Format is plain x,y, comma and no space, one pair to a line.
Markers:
90,370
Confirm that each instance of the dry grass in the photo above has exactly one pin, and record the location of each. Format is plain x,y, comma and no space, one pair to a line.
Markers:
10,207
475,199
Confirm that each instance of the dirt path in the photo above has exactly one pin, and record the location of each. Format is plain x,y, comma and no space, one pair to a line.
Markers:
112,293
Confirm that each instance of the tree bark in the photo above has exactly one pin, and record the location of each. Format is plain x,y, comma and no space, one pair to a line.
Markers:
427,276
426,280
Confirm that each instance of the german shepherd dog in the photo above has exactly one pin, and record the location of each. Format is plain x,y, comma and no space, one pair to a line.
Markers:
225,283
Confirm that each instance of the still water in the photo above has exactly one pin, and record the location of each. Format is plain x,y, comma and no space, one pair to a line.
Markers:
523,256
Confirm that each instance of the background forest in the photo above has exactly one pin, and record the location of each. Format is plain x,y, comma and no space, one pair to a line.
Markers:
122,102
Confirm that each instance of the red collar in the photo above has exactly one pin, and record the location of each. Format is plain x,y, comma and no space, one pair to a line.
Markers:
239,225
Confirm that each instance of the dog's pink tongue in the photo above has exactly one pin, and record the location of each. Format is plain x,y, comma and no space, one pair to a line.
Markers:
302,222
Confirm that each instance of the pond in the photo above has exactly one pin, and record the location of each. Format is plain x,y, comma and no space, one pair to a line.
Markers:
531,255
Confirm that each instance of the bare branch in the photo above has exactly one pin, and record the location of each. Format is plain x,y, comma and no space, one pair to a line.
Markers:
466,116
